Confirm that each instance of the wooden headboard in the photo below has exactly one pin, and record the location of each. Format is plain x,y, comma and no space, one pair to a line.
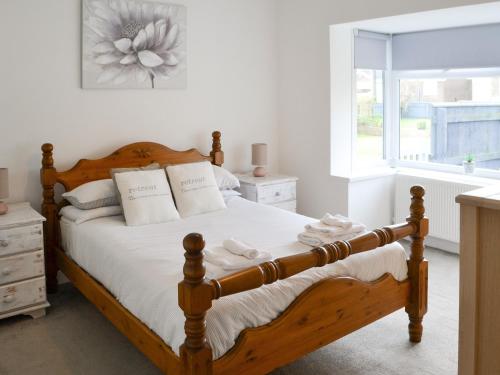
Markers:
133,155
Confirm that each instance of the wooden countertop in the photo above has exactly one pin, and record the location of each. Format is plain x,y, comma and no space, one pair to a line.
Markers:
487,197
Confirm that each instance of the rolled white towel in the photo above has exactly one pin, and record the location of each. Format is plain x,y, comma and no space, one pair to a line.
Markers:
318,239
219,256
312,239
337,221
240,248
319,227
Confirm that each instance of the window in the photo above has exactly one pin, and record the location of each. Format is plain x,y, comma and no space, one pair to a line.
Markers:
423,99
369,116
448,119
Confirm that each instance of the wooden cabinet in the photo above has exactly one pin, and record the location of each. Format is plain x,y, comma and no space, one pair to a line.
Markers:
275,190
22,271
479,326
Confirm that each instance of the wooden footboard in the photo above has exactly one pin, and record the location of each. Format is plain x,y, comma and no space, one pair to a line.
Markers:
323,313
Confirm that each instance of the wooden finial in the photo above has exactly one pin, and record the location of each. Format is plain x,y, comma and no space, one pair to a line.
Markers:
47,173
417,265
194,270
195,298
216,145
47,159
417,218
417,209
217,154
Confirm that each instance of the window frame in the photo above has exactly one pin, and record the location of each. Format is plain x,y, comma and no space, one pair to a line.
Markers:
343,116
394,102
354,116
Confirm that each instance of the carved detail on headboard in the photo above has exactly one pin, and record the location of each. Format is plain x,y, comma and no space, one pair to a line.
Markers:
142,152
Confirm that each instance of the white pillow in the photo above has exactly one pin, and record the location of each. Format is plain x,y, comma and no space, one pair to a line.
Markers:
227,195
146,197
81,216
225,179
93,194
195,189
230,193
114,171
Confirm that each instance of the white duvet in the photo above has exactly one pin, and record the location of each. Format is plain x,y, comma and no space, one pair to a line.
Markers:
142,266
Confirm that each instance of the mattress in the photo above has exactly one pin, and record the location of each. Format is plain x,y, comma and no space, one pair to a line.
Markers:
141,267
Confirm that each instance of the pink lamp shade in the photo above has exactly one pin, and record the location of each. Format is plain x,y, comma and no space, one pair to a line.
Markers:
259,159
4,189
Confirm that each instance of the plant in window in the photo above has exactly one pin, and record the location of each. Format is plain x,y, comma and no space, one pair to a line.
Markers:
469,163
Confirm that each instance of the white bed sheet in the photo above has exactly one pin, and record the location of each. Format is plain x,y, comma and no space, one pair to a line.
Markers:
142,266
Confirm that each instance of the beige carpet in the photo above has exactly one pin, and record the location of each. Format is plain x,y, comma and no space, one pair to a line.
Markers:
75,339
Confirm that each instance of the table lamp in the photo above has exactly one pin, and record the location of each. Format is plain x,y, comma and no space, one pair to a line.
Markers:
4,189
259,159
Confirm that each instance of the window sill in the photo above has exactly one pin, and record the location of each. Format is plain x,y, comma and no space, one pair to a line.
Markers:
366,175
448,176
382,172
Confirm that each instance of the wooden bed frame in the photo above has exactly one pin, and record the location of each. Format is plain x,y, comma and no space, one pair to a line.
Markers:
326,311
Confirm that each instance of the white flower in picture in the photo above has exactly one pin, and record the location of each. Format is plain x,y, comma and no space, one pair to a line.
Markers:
133,44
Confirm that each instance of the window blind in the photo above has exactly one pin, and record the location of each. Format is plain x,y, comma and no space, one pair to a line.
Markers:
454,48
370,50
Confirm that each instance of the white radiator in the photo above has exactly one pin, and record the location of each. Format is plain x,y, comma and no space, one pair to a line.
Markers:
440,206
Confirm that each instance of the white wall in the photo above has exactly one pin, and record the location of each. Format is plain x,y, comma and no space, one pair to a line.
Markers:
304,94
232,62
371,201
251,64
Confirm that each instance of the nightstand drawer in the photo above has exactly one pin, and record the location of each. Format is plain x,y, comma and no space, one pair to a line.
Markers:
269,194
22,294
21,267
288,206
21,239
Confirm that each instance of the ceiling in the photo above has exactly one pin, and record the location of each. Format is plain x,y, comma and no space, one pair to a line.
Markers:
437,19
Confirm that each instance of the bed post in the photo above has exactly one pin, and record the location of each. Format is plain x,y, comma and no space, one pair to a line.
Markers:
49,211
417,264
195,298
217,154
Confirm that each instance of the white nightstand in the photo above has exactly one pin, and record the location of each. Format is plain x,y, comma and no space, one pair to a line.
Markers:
22,271
275,190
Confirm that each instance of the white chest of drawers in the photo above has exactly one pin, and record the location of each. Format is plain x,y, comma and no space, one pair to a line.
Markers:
275,190
22,271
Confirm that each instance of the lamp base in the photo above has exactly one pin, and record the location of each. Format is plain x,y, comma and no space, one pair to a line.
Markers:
3,208
259,172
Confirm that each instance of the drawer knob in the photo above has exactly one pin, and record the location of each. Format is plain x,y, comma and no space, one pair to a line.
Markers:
277,194
6,271
8,299
4,243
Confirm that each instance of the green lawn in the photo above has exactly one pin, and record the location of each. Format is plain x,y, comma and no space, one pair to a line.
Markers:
415,127
369,148
412,131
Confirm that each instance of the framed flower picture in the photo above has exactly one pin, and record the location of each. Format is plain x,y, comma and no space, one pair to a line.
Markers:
133,44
